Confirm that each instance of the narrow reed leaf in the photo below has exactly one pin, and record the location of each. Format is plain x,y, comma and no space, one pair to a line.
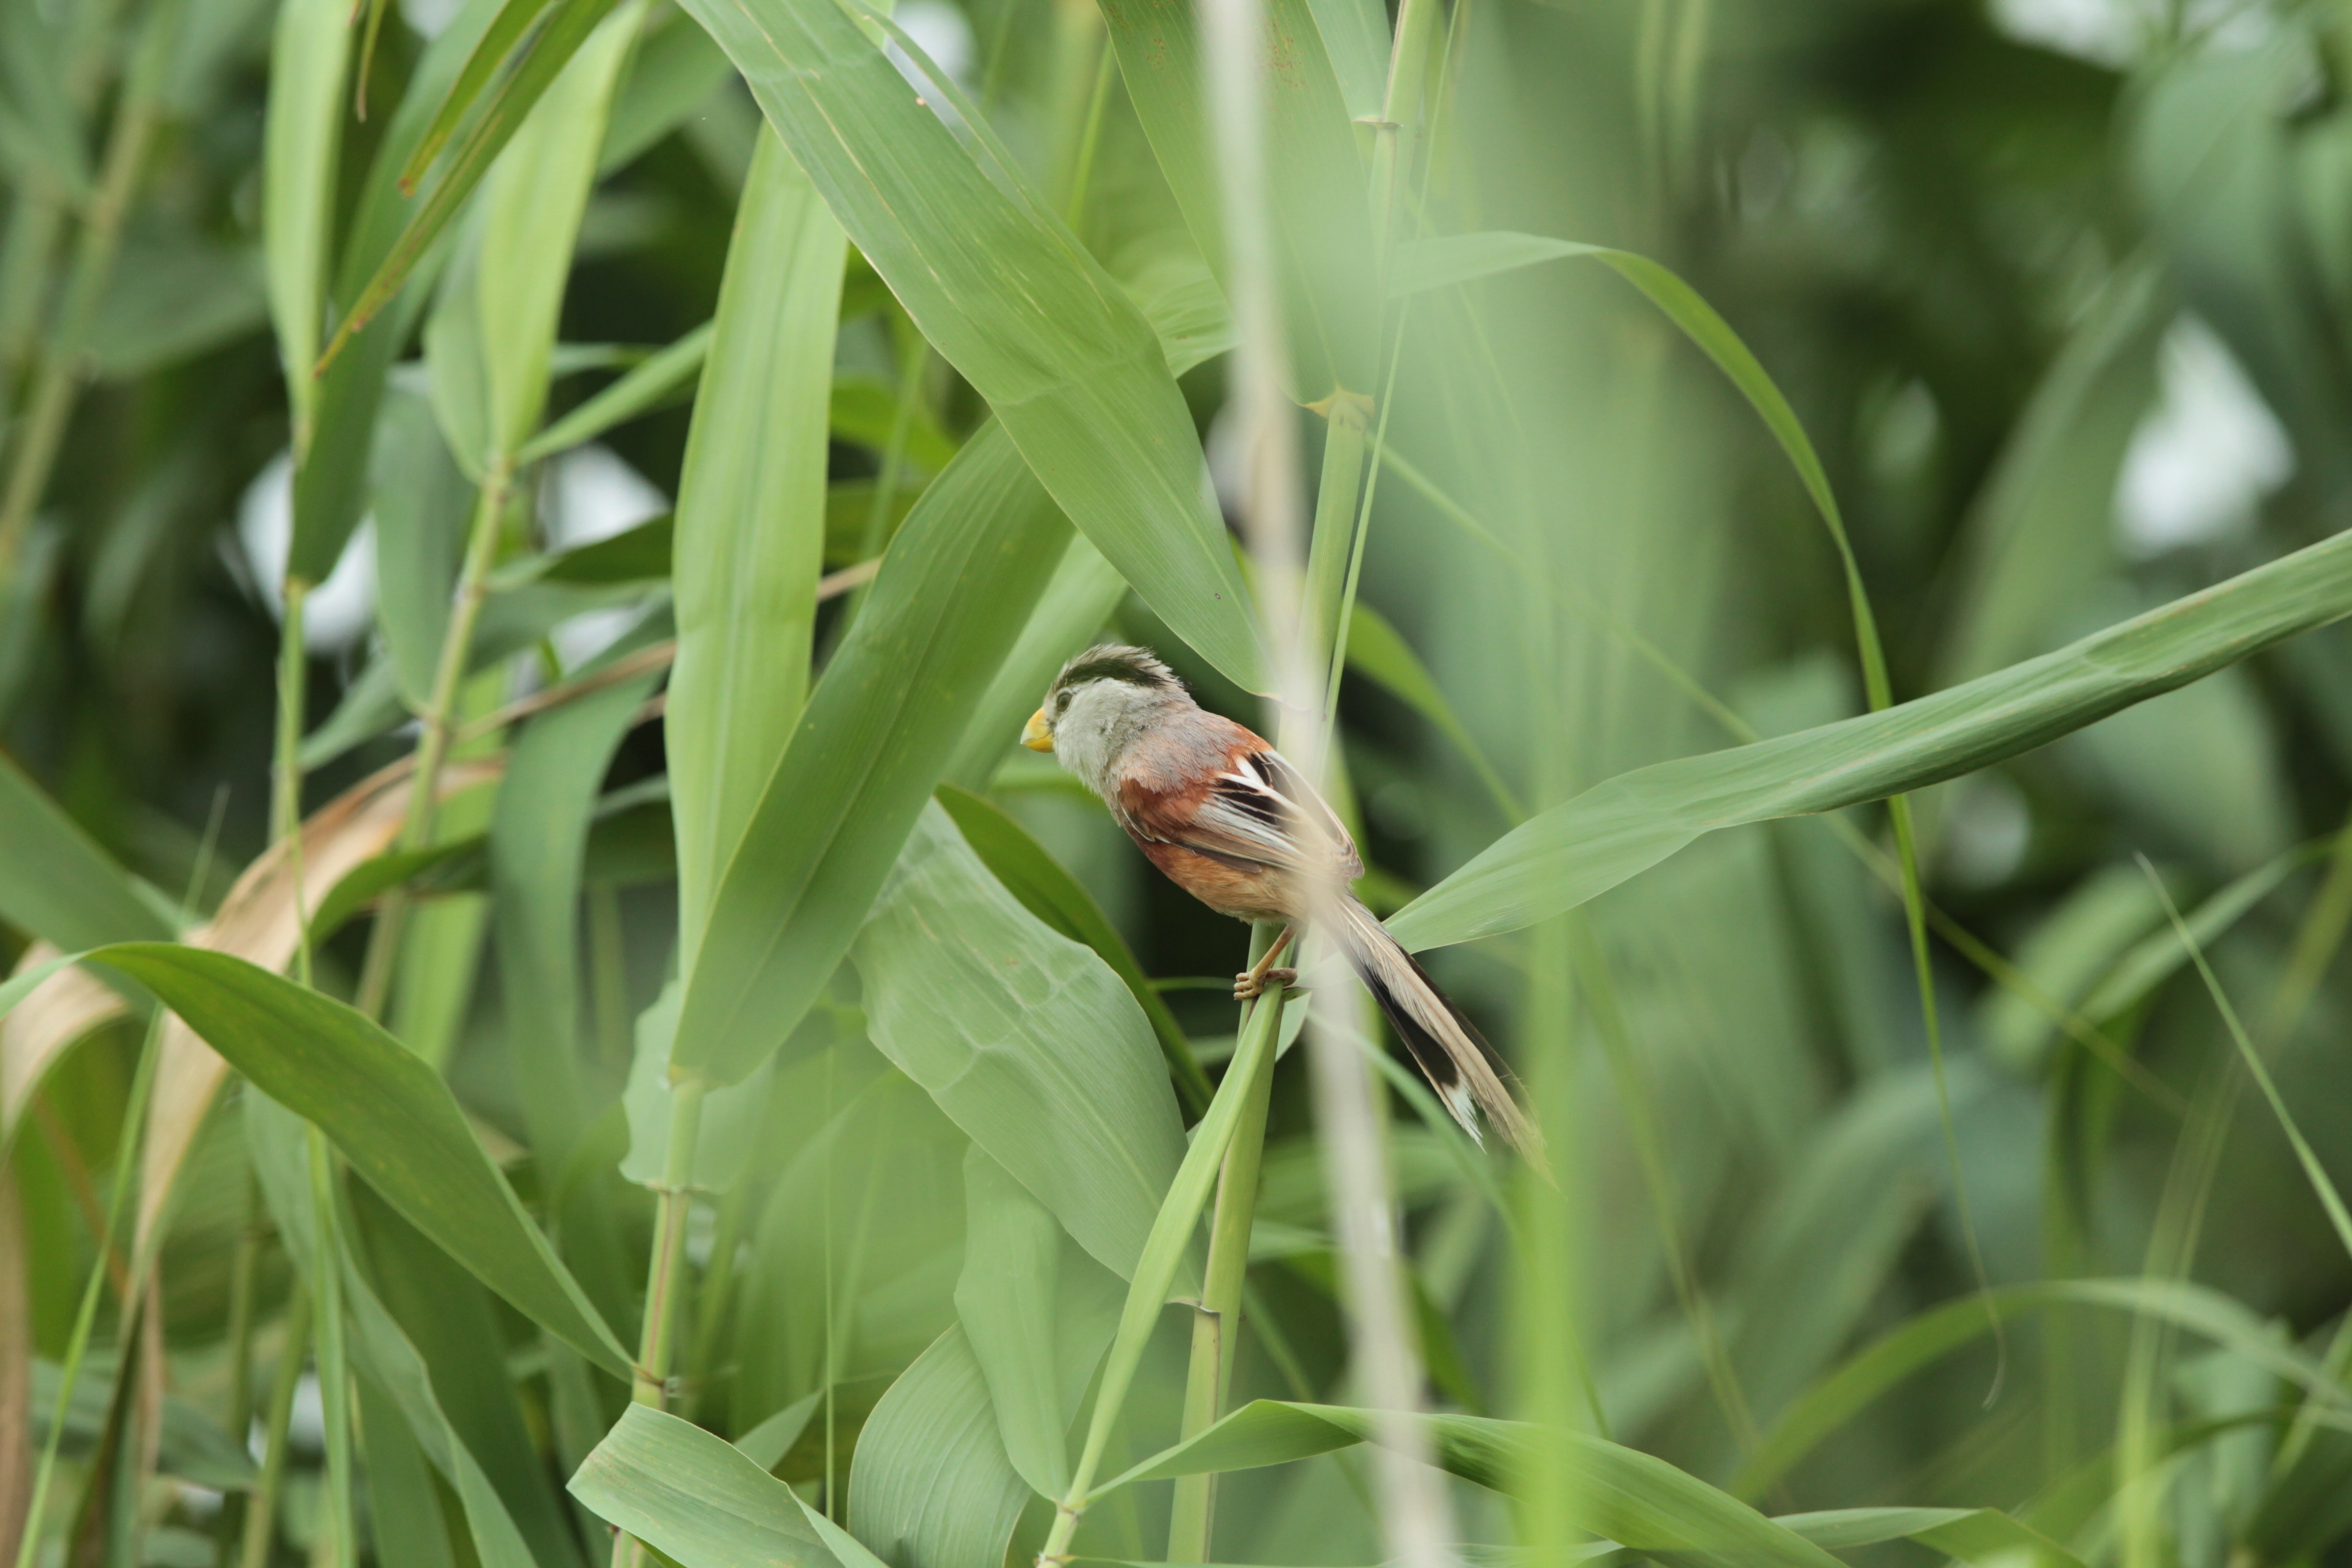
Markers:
274,1140
750,531
538,842
421,501
1622,1494
331,476
492,332
658,381
1836,1398
568,30
1086,589
1628,824
2323,1187
56,883
301,134
514,18
879,729
1007,296
1983,1536
1316,178
389,1114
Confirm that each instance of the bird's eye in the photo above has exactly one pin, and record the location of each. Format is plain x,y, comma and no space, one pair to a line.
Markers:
1062,704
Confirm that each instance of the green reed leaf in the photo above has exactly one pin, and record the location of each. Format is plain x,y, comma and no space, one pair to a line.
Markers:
389,1114
750,535
879,729
1628,824
1008,296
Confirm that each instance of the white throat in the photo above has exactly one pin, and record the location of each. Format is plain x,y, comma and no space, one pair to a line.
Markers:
1103,719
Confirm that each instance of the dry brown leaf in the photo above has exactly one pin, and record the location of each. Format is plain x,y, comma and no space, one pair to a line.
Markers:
257,923
36,1036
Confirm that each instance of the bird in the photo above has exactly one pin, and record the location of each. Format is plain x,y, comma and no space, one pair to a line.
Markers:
1227,820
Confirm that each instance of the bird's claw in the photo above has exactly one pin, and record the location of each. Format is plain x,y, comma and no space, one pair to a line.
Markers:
1249,986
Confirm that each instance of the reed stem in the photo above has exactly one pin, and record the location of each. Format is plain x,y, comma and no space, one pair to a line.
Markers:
261,1503
664,1277
1216,1323
439,722
59,378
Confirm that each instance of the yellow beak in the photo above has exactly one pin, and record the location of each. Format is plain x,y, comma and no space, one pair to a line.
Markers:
1037,734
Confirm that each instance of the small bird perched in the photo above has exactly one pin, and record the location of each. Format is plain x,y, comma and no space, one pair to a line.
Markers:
1230,823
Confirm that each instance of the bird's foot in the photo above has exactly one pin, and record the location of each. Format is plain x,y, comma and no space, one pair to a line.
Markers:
1249,984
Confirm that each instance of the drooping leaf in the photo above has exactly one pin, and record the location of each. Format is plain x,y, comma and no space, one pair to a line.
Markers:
694,1497
389,1114
1034,877
275,1140
1036,1312
930,1486
57,884
1009,298
1622,826
1013,1029
1621,1494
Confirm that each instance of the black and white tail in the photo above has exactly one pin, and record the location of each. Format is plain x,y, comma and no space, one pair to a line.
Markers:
1456,1058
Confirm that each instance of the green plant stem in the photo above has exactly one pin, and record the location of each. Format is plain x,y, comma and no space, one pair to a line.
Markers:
1216,1323
335,1365
1332,549
1179,1216
35,450
286,770
261,1503
1082,170
664,1273
243,1266
127,1146
1408,75
439,721
35,224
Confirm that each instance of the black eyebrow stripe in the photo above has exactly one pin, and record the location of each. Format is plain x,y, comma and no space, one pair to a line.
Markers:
1109,669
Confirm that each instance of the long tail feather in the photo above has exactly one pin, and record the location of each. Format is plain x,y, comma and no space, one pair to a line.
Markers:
1456,1059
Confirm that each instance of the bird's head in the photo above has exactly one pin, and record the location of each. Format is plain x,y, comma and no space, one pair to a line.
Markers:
1101,701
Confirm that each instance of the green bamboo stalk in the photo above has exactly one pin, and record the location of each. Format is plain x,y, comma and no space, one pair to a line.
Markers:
1171,1231
438,723
243,1265
1336,544
334,1364
664,1273
261,1503
1216,1322
59,377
